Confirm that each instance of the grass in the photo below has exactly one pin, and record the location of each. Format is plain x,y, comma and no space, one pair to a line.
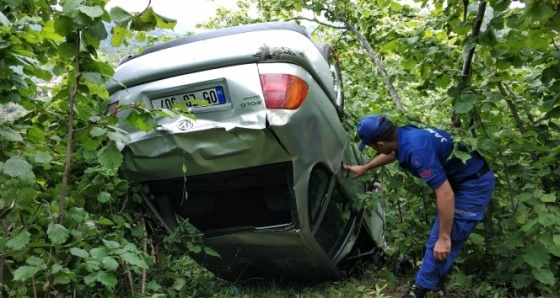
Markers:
380,284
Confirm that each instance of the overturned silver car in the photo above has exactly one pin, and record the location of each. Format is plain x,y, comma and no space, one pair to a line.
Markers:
260,161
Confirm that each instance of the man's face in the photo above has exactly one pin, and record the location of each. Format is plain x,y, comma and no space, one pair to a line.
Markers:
381,147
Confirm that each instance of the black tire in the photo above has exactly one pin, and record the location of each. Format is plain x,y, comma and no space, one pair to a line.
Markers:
328,53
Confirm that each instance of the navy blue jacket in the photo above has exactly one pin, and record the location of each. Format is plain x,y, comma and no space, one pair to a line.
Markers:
425,153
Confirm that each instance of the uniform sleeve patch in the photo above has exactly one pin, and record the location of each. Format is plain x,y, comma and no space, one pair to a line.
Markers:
425,173
416,161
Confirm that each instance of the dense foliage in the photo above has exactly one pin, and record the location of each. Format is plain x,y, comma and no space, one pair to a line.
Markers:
486,71
70,225
489,71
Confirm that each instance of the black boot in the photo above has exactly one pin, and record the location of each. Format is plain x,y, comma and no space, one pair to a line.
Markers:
416,291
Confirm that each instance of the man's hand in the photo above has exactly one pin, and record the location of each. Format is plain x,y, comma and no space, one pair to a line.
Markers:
442,248
357,170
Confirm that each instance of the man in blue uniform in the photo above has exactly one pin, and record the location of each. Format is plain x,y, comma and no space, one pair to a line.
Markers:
463,190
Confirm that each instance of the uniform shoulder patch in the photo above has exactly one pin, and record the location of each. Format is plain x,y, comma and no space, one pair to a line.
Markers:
415,161
425,173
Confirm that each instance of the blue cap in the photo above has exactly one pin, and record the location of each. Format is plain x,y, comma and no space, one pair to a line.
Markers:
369,128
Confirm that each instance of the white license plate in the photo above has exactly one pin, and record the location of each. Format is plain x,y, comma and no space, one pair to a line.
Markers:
213,96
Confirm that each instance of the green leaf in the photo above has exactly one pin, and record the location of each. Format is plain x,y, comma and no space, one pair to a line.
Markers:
132,259
107,279
120,34
145,22
110,157
67,50
521,281
91,278
209,251
91,11
35,261
179,283
554,113
36,135
18,167
165,22
120,16
118,137
97,132
500,5
99,252
93,77
110,263
104,221
25,272
9,134
536,255
539,11
4,20
41,157
19,241
548,198
548,74
57,233
111,244
545,276
103,197
78,252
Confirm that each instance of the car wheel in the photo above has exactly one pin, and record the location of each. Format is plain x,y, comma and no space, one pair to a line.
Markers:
329,54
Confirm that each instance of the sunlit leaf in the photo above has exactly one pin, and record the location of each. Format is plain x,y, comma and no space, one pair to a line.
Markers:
110,263
107,279
78,252
165,22
25,272
120,16
97,132
132,259
539,11
36,135
9,134
91,11
111,244
545,276
93,77
179,283
110,157
19,241
99,252
120,34
57,233
548,198
103,197
18,167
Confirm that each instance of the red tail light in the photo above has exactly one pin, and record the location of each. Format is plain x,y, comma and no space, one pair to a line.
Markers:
112,109
283,91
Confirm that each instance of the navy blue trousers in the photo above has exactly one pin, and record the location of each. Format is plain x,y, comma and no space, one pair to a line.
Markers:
471,199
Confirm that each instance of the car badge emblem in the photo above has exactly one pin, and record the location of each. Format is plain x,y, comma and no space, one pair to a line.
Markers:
184,124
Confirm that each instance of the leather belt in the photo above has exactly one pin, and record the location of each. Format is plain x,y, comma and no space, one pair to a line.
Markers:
485,169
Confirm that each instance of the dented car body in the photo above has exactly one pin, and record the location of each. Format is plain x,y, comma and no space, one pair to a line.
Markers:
261,158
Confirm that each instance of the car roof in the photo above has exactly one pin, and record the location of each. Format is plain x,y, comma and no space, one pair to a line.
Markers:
219,33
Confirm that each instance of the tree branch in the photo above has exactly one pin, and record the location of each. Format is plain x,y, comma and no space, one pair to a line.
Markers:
70,123
315,20
378,62
467,65
143,11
